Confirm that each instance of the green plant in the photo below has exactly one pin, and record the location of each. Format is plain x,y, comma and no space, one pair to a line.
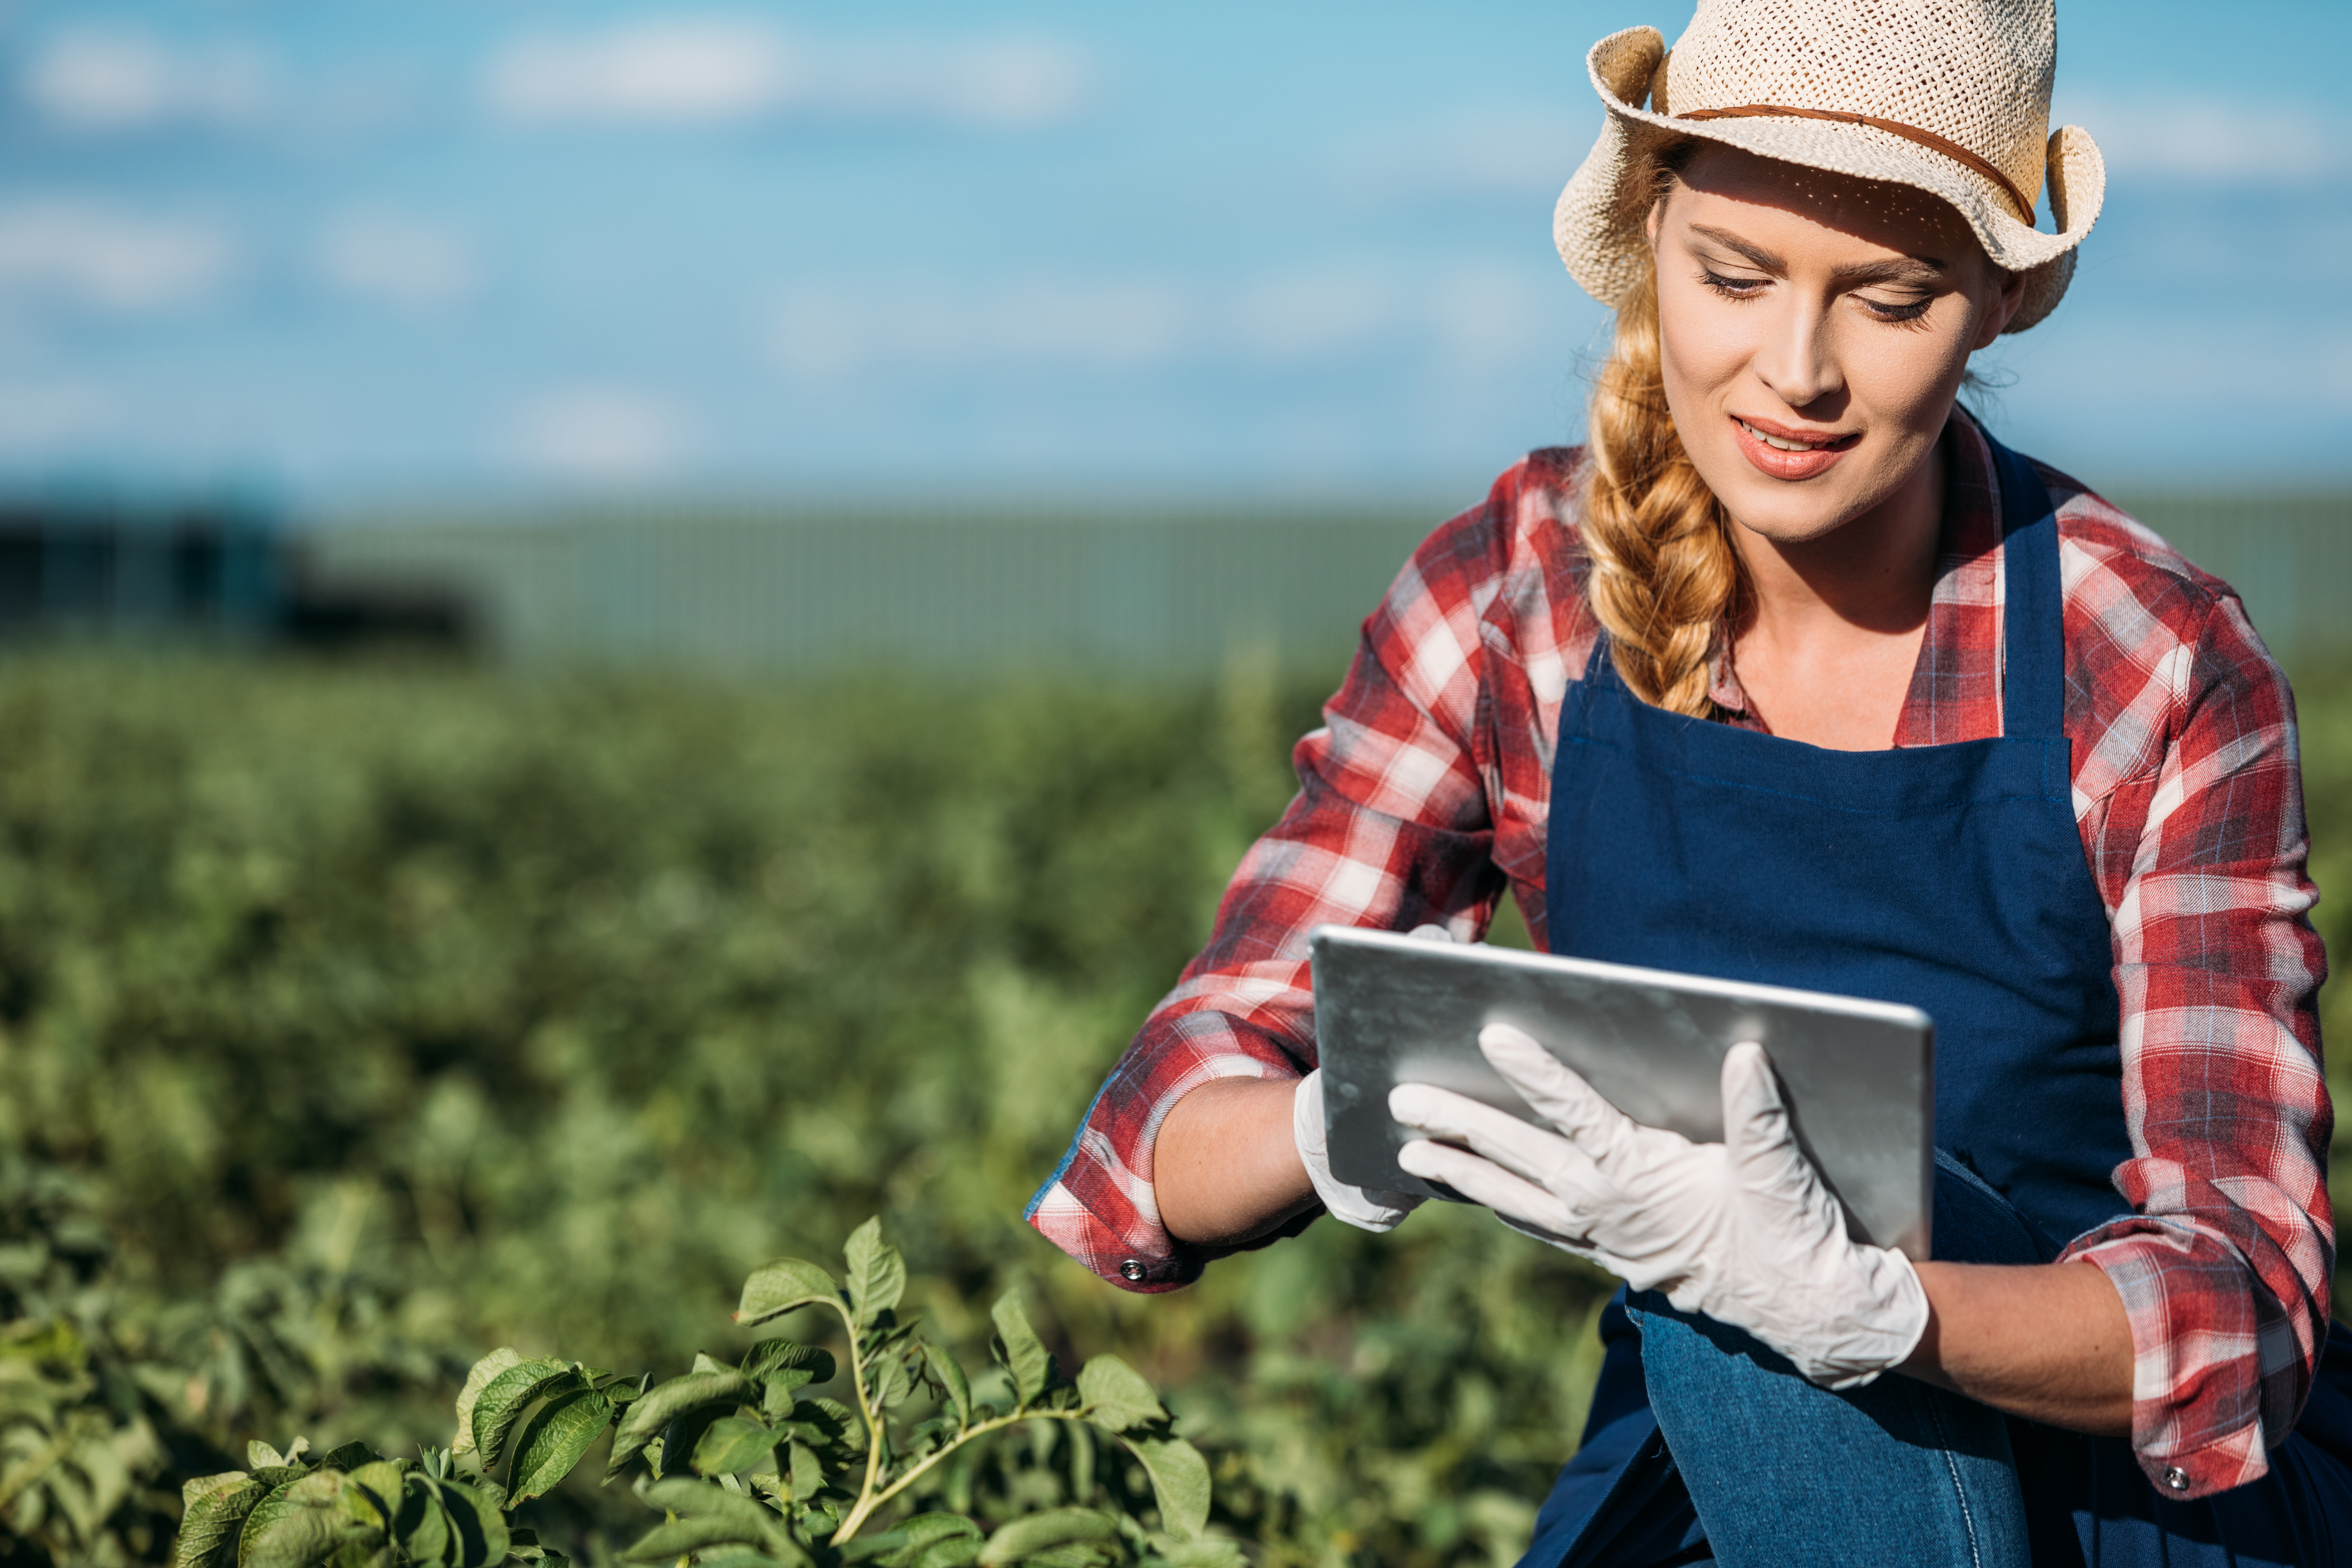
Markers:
381,1014
747,1466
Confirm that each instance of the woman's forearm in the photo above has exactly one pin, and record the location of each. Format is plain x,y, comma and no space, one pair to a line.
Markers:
2050,1343
1225,1167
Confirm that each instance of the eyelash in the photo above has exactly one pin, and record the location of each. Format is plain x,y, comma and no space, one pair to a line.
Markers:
1748,288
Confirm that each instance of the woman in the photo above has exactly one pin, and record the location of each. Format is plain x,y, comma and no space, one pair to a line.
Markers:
1794,675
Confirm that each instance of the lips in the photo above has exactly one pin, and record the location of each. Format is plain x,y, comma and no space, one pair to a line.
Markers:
1781,453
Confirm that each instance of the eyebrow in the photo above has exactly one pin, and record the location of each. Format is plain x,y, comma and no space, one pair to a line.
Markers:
1898,269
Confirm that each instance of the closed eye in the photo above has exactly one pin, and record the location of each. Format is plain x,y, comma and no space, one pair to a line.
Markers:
1732,287
1908,311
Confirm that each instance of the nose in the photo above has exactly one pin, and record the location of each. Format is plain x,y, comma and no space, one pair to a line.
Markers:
1796,360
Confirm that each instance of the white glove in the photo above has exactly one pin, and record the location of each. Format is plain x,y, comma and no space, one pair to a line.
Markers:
1366,1208
1743,1231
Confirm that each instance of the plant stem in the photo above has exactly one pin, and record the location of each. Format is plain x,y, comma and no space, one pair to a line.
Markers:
866,1501
865,1508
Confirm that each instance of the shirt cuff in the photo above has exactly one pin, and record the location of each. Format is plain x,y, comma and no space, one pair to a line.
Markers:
1101,1208
2198,1351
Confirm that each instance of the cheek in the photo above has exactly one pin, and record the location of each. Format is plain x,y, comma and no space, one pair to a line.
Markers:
1908,378
1702,339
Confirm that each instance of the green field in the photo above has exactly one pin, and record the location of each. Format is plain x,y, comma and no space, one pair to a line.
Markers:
356,1018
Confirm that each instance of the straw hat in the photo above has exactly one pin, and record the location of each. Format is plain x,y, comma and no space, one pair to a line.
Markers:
1950,96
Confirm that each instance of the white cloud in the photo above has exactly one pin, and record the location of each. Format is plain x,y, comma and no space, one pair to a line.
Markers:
95,82
599,435
720,70
392,258
2207,140
102,258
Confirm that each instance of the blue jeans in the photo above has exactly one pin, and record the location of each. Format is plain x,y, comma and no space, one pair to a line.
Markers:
1897,1471
1782,1473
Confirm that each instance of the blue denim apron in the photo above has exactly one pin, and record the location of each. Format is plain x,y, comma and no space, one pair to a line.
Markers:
1951,878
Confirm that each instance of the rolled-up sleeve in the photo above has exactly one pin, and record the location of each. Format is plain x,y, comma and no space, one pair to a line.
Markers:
1390,828
2225,1269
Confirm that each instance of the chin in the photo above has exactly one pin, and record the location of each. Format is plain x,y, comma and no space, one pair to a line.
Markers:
1786,512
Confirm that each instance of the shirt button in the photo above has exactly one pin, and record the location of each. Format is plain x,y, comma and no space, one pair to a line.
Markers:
2175,1477
1131,1270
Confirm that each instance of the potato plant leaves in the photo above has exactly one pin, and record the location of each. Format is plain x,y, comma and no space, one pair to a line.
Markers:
1115,1395
505,1396
665,1402
488,1367
878,1274
732,1445
1024,1355
556,1439
786,1488
212,1512
1023,1538
1179,1478
948,1372
780,1287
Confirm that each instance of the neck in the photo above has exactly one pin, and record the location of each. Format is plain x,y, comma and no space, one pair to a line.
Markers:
1873,577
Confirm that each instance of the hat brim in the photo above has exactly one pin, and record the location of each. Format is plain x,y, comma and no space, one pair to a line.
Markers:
1604,250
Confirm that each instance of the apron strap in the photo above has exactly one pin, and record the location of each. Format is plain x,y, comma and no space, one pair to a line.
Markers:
2033,630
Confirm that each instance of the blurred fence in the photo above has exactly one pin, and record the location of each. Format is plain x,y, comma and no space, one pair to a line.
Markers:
1133,592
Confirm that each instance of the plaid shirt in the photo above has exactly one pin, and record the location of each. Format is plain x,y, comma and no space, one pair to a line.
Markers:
1426,793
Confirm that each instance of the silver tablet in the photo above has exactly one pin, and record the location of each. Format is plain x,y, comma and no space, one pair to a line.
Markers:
1859,1076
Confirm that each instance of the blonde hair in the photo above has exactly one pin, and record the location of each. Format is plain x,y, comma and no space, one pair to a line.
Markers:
1664,573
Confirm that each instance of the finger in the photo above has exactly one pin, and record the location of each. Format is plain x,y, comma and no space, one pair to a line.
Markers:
1483,1182
1526,1151
1307,1128
1757,1129
1556,1092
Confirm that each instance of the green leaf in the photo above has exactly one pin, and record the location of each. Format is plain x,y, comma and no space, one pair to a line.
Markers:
350,1457
663,1403
808,1475
1209,1551
911,1539
265,1513
1024,1355
878,1274
732,1446
299,1524
555,1440
956,1552
948,1372
213,1510
1054,1527
372,1493
1116,1396
261,1456
777,1287
505,1396
1179,1478
770,1356
424,1530
892,1385
477,1527
488,1367
729,1518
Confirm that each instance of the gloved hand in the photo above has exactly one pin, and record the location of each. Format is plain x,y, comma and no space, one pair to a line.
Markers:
1366,1208
1744,1231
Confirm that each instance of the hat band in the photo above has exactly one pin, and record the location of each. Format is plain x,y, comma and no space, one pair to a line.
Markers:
1927,138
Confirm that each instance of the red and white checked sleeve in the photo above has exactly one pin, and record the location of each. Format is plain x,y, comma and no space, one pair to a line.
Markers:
2191,798
1390,828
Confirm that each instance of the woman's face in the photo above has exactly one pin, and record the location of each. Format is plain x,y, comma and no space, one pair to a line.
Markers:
1814,329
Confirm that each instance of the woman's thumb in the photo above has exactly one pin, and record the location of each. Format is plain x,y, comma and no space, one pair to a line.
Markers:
1756,1119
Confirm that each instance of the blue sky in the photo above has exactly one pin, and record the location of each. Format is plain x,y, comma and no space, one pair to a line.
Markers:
362,251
